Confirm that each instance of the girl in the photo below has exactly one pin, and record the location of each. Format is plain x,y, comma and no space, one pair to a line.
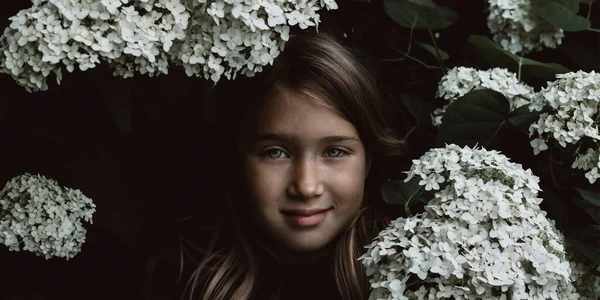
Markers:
307,160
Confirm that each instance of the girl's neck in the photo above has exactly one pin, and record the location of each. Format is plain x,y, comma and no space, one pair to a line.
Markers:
288,257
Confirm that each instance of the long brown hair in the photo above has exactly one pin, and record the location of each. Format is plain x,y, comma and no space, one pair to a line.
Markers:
320,67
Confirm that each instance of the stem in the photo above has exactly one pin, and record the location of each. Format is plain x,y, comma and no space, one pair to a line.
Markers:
410,132
406,206
413,283
410,36
594,30
554,178
417,60
520,64
550,160
589,10
577,149
493,135
412,29
407,210
523,97
437,51
392,59
411,68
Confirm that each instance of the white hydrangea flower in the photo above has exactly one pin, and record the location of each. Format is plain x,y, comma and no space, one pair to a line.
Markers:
210,38
573,100
586,283
482,236
241,37
590,162
518,29
40,216
461,80
148,30
130,35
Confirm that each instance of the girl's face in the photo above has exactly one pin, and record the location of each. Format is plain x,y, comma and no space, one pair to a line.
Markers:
304,168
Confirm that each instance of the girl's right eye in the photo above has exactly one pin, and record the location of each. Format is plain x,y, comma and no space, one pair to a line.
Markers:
274,154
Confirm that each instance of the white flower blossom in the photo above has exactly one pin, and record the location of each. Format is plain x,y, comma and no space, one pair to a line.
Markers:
209,38
482,236
517,28
573,101
56,33
590,162
241,37
40,216
461,80
586,283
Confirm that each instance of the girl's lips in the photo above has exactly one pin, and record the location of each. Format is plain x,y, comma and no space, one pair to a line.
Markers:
305,218
304,211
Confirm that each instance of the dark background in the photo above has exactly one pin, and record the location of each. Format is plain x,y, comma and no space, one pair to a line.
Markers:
143,148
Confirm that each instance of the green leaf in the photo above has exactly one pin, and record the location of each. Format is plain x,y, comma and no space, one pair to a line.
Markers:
422,14
428,3
494,56
421,110
431,50
400,192
562,15
588,233
590,203
586,250
571,5
590,197
474,119
555,207
588,1
592,211
521,118
586,240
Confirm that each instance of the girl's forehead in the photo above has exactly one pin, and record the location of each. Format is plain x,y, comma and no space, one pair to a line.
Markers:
291,113
289,107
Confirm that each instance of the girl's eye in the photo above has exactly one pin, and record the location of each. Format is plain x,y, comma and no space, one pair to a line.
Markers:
274,154
335,152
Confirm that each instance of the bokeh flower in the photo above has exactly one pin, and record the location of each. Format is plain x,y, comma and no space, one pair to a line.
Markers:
517,29
40,216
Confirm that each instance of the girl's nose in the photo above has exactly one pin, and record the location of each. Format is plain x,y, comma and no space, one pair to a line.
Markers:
306,183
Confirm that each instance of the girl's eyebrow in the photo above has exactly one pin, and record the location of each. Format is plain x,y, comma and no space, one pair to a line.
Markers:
289,138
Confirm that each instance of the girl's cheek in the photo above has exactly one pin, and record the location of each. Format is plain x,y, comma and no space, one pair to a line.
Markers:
262,180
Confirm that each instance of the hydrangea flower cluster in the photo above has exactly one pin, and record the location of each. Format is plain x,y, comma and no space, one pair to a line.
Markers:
40,216
517,28
209,38
130,35
585,282
574,101
482,236
231,37
461,80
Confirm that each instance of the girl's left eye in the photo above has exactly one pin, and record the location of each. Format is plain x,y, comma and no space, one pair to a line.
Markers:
335,152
